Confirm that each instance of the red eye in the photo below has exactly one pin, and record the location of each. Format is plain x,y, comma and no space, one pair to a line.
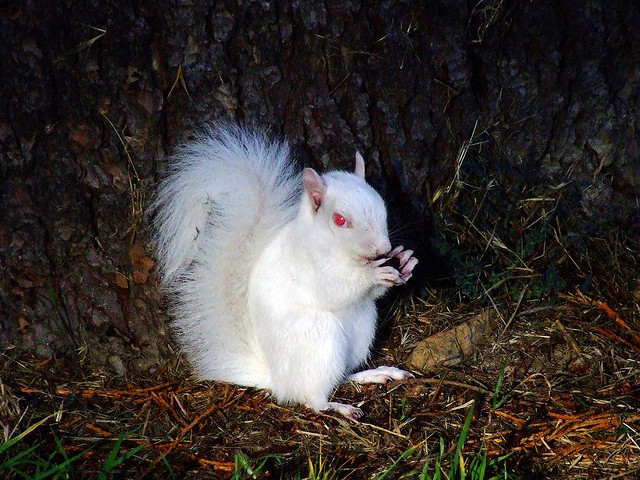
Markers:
339,220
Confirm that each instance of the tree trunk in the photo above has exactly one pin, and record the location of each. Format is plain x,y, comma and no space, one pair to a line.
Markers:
95,94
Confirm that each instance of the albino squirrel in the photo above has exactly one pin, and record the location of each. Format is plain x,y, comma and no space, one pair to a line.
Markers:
274,274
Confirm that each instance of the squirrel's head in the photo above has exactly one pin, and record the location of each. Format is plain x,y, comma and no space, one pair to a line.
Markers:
349,210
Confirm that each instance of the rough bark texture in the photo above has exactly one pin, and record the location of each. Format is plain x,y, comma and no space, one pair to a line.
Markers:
95,94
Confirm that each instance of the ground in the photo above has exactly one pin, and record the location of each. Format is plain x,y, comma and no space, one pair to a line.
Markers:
553,392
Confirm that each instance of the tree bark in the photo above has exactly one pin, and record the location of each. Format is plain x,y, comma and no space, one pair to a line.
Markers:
95,94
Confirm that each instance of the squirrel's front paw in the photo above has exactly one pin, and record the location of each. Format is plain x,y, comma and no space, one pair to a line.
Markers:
406,260
396,268
386,275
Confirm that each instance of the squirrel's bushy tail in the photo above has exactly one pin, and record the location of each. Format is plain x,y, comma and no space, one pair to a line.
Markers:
223,199
228,187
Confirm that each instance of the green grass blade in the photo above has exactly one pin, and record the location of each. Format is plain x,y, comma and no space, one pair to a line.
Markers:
404,455
495,401
6,445
456,464
242,465
15,460
168,465
59,469
113,461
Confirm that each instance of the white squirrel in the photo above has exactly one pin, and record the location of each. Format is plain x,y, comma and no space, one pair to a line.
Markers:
274,274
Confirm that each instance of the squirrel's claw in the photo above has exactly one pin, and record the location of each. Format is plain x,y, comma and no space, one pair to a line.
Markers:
408,267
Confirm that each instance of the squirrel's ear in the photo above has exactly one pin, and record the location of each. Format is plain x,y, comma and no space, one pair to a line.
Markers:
359,171
315,187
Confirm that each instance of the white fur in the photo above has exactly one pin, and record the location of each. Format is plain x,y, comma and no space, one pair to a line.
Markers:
268,290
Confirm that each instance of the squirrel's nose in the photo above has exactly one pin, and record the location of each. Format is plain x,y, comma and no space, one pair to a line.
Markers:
383,247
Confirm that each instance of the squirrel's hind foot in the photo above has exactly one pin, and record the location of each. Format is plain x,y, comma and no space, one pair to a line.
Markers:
348,411
380,375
